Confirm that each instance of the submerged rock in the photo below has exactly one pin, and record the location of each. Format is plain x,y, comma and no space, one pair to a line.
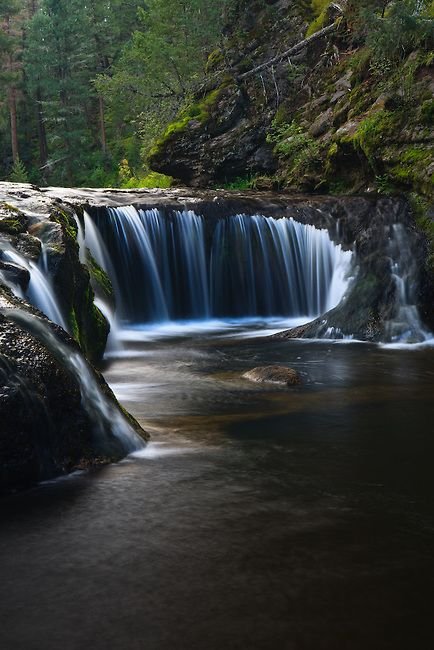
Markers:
274,375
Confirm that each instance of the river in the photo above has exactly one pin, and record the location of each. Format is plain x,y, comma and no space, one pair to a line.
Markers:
258,517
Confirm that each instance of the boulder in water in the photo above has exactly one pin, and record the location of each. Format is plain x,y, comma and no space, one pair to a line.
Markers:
274,375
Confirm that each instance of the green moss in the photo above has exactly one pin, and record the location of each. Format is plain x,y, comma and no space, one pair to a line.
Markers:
66,221
410,169
101,331
331,156
10,226
373,132
421,207
317,24
12,221
296,147
319,8
281,116
198,112
100,279
74,325
92,326
9,207
214,59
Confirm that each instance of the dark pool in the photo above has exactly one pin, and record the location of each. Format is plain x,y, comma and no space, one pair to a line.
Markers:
258,517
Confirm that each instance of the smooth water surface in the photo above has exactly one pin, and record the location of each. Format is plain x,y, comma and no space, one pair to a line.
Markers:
259,517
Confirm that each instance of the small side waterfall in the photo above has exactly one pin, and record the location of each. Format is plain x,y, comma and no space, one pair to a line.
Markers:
40,291
106,418
167,267
406,326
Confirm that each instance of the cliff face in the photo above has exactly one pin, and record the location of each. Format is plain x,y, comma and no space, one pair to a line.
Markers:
327,119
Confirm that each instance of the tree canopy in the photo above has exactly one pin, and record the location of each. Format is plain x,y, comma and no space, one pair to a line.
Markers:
88,85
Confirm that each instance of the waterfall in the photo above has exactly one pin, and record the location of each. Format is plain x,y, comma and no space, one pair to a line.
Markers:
175,266
106,418
406,326
40,291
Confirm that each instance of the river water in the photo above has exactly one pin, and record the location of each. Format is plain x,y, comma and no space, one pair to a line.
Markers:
259,517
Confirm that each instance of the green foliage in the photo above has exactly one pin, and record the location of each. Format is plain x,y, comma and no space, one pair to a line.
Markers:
403,28
129,180
60,61
150,181
101,80
161,66
372,132
19,173
385,184
241,183
319,8
292,143
427,112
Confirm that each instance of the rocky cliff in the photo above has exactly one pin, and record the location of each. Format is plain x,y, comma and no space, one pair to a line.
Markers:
290,104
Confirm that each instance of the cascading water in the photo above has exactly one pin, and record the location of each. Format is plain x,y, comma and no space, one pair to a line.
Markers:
107,419
40,291
406,326
167,267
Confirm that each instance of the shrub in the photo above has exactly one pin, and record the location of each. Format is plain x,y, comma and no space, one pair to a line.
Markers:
403,28
18,173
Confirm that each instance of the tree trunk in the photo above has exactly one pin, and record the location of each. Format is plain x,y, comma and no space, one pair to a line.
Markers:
102,125
42,134
12,100
292,51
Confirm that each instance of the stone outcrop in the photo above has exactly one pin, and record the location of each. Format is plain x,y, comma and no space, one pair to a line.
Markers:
45,430
42,219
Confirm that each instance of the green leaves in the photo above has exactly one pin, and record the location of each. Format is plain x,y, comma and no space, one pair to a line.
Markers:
400,28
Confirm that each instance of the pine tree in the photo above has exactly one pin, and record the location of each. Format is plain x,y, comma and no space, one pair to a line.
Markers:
18,173
161,65
10,66
60,63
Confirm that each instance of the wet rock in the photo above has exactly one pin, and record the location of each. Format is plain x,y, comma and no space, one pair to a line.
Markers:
274,375
28,246
13,274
